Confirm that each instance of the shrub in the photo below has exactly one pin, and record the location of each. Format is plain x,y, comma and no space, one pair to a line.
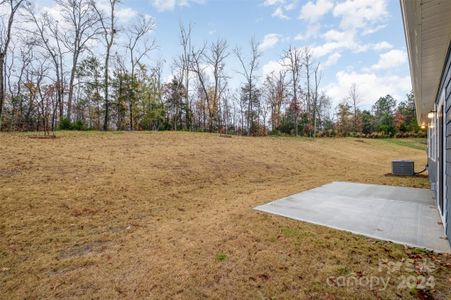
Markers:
65,124
78,125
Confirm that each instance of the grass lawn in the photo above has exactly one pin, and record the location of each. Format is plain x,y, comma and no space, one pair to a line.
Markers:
170,215
415,143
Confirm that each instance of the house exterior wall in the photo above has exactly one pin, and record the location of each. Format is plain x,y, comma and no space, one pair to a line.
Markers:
427,27
445,92
434,142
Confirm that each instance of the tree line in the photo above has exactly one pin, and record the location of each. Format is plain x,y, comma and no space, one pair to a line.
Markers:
79,68
387,118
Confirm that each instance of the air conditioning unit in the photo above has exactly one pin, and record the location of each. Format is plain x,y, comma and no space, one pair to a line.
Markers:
403,168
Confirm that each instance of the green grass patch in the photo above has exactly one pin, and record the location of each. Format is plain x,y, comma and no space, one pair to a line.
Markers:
343,271
221,257
415,143
421,251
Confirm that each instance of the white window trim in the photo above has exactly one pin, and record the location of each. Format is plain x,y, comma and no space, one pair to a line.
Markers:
443,162
432,140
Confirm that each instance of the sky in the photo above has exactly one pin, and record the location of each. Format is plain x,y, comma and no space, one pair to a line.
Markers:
359,42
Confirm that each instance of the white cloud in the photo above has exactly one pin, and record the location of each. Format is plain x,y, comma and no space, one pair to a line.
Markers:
273,2
372,86
126,13
281,7
344,37
291,5
279,13
338,40
325,49
366,14
164,5
123,13
168,5
312,12
272,66
332,59
312,31
269,41
391,59
356,18
372,29
54,12
382,45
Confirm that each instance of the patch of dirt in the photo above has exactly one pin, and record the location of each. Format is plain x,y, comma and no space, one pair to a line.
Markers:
81,250
9,173
42,137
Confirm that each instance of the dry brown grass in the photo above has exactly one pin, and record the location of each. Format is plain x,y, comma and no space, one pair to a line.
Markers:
169,215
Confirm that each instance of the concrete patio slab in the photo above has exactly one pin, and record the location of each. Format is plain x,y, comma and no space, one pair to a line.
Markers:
398,214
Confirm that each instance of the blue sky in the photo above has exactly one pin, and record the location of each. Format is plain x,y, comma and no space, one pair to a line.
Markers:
359,42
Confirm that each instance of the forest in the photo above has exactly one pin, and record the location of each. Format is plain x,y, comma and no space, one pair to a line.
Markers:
77,68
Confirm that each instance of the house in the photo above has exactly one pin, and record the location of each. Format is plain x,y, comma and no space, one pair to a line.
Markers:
427,27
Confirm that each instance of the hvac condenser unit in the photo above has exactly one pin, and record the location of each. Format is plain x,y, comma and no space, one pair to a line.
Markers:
403,168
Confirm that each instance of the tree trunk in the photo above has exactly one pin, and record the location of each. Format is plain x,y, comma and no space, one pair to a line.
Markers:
249,110
106,79
130,107
314,117
71,90
2,86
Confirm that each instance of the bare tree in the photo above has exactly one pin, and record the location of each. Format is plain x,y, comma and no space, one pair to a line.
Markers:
212,59
15,87
198,67
242,109
354,99
109,30
185,63
292,60
82,22
307,62
227,111
138,47
324,109
264,109
5,39
41,95
216,59
46,27
315,112
249,67
276,90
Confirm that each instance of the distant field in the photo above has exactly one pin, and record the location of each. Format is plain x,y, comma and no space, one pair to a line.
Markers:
169,215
